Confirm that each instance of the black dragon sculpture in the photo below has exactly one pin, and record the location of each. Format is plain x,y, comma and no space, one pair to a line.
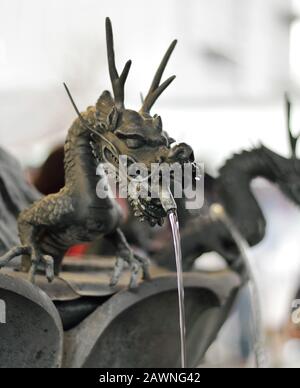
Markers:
76,213
232,189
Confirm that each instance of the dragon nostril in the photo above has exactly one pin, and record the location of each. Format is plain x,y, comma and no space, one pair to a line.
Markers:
182,153
161,159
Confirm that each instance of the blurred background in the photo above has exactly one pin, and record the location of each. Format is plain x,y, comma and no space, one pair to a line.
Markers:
234,61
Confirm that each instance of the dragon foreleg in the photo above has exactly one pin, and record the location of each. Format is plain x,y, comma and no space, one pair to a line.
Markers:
14,252
126,255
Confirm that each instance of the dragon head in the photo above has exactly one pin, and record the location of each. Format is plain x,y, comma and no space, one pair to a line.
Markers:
135,134
289,168
286,171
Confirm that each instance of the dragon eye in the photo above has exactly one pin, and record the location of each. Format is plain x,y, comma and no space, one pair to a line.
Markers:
134,143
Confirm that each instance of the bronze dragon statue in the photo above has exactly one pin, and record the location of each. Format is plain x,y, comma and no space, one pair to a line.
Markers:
76,214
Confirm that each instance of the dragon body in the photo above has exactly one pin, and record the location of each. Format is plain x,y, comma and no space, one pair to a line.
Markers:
77,213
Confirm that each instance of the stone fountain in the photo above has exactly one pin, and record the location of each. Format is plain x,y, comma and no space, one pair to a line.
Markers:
46,323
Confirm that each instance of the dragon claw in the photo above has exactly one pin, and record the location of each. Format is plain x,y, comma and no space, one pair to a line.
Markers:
134,269
48,264
119,266
32,272
49,267
135,263
145,263
35,259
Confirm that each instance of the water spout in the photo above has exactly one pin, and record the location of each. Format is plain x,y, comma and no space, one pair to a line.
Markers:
167,200
170,208
177,245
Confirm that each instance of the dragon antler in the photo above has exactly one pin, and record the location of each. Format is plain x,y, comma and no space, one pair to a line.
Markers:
117,81
293,139
156,89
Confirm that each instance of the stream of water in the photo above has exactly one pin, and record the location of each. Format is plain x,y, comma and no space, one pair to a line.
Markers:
177,246
218,211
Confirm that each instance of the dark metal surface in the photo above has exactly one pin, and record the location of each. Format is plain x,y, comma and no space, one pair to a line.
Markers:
73,312
120,328
140,328
32,335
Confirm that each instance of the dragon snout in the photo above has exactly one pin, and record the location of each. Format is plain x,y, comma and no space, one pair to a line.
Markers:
181,153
